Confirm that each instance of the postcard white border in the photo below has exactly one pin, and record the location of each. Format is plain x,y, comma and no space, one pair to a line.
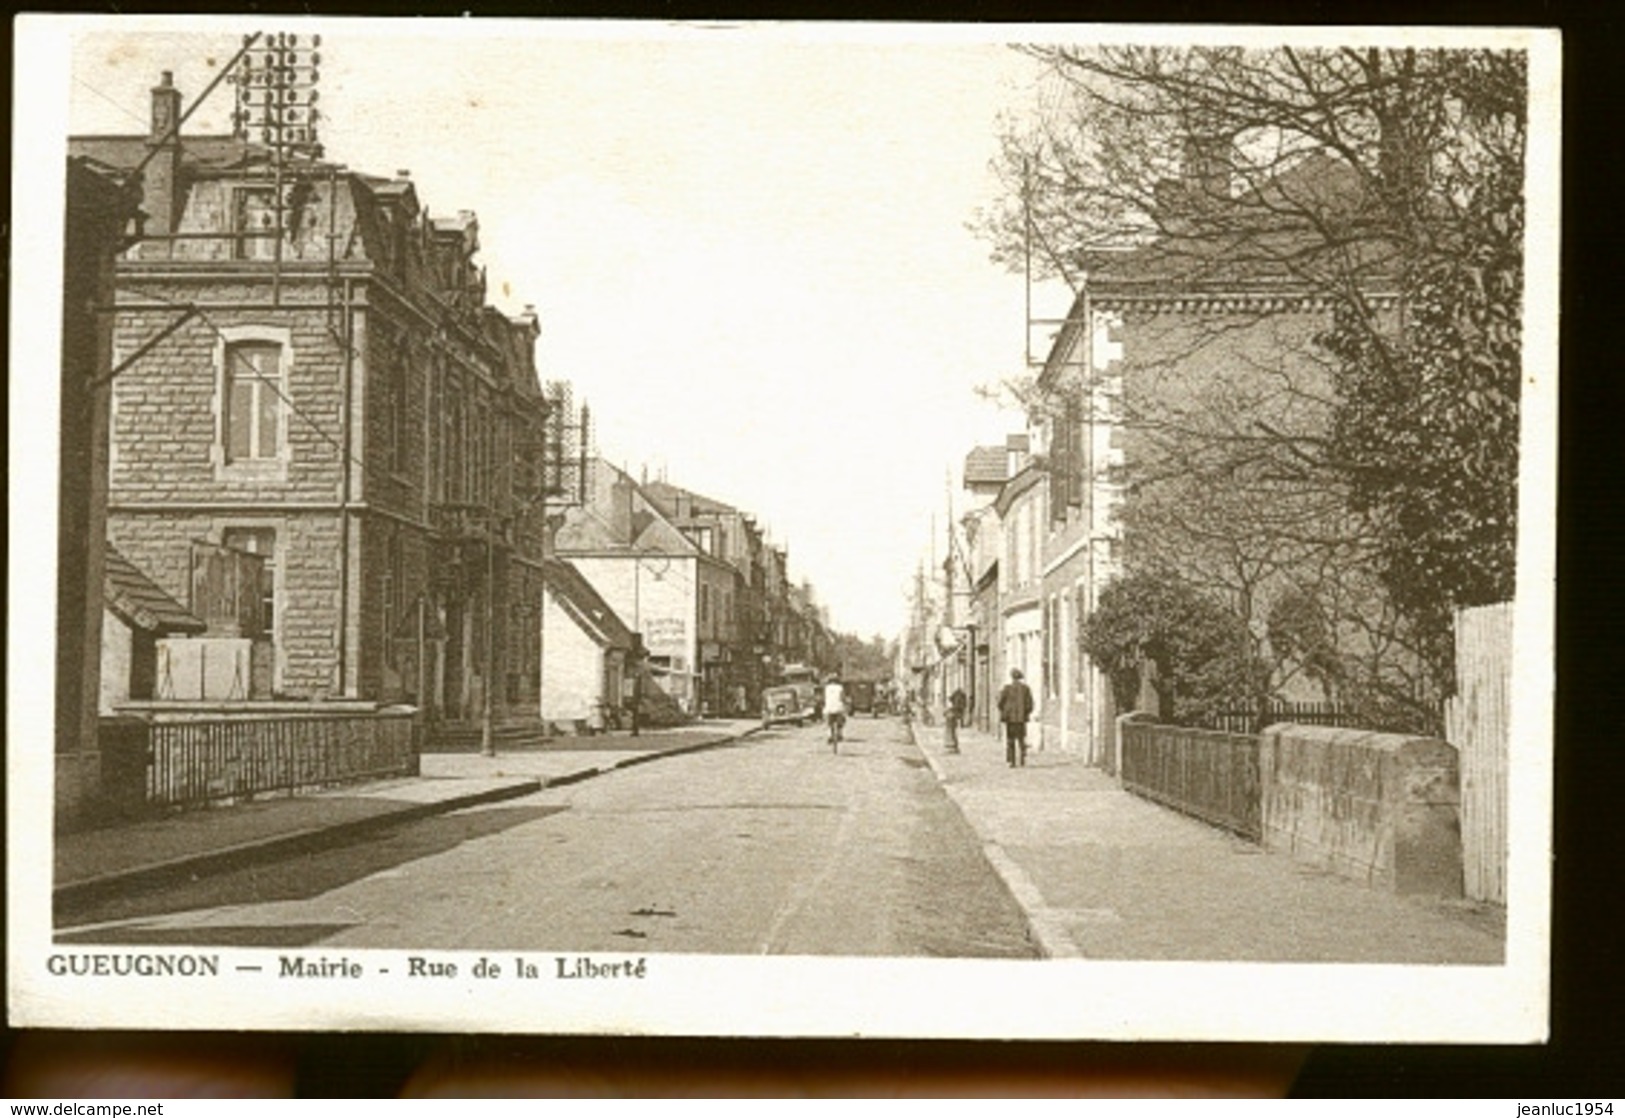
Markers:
751,996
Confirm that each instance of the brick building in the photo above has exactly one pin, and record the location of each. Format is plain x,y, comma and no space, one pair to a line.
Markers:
335,397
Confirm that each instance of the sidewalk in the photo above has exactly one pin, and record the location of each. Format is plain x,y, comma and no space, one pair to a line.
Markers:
98,863
1104,874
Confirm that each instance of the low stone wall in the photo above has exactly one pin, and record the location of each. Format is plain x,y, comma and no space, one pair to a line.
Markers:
1382,809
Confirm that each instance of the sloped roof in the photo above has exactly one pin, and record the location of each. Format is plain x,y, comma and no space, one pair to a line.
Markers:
140,603
665,495
986,465
213,153
586,606
1308,218
597,528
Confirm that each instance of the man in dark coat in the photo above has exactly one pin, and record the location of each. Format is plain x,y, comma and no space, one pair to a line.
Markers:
1015,708
955,719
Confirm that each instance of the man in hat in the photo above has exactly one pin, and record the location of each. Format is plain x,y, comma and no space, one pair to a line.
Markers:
1015,708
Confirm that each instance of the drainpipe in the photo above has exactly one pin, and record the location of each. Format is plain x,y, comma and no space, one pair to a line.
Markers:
487,744
344,493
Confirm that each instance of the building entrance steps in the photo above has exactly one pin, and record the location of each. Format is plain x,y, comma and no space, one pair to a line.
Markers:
92,864
1104,874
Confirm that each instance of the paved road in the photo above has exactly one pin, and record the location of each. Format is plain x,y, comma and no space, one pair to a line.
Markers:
772,845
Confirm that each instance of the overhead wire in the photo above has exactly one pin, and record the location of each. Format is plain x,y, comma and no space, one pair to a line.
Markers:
204,317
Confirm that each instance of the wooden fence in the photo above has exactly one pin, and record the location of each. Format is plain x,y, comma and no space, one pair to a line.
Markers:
1204,773
1477,722
194,761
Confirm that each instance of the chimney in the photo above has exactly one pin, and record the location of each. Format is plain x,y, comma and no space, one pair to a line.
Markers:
161,177
1208,165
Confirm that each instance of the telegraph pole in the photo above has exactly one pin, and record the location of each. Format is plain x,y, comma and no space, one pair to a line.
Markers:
276,105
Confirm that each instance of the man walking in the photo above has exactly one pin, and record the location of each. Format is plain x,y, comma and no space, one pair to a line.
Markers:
1015,707
954,720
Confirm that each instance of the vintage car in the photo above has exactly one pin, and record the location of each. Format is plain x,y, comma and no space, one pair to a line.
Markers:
860,697
788,702
796,699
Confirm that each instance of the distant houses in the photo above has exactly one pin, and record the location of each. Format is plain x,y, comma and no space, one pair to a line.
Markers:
700,583
327,471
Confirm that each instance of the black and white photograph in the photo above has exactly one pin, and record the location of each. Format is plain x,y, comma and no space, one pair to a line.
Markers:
783,530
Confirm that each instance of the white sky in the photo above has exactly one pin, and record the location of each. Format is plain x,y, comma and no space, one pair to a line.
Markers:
748,247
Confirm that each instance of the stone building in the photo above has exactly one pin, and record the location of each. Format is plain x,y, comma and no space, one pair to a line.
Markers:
1021,510
1170,404
672,592
1080,439
321,384
731,666
986,470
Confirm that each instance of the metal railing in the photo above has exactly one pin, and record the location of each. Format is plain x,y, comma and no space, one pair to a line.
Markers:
197,761
1253,719
1207,774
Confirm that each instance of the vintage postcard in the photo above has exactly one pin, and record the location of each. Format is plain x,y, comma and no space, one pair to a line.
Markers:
860,530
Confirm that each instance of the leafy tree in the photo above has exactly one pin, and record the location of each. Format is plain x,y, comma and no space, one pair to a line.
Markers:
864,659
1154,628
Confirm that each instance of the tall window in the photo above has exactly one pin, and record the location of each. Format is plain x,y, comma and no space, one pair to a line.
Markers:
396,386
253,412
394,597
1051,631
1080,615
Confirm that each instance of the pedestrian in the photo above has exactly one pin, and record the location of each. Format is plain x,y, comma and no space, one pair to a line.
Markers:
835,710
955,719
1015,707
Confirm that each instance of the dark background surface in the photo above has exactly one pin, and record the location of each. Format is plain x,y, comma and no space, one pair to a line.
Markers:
1586,1056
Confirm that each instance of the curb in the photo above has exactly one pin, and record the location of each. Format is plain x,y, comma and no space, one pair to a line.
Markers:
675,751
1045,928
310,839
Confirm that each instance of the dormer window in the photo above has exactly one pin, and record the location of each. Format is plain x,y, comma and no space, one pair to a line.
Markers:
254,222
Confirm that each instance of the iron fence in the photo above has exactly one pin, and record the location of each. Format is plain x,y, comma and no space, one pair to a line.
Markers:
1253,719
198,761
1208,774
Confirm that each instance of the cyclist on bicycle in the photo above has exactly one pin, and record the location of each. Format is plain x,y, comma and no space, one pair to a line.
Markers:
835,709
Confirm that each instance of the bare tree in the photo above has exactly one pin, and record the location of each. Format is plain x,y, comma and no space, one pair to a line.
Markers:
1382,190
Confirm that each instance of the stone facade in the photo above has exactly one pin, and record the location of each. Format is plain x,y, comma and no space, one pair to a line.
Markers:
343,403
